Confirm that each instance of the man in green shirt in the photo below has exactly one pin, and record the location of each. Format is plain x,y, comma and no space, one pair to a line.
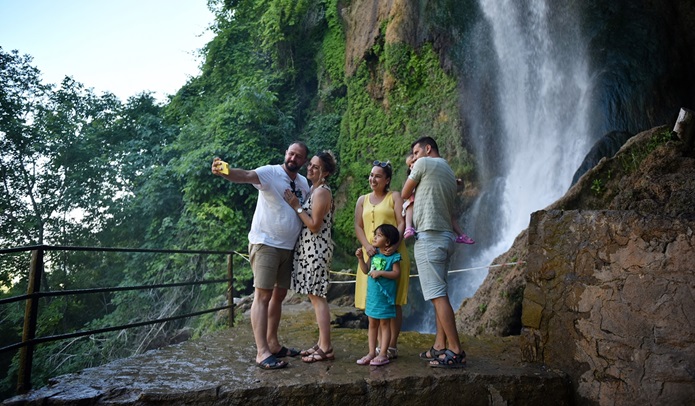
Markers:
435,244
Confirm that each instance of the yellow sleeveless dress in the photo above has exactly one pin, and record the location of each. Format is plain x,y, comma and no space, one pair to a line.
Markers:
372,217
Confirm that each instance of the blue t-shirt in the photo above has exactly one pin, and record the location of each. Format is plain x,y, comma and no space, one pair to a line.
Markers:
381,292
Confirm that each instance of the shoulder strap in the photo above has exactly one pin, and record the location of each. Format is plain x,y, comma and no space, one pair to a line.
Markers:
389,198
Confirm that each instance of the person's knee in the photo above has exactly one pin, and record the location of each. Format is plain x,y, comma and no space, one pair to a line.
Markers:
440,301
262,295
279,294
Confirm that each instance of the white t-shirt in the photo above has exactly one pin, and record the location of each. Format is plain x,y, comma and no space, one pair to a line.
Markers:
275,223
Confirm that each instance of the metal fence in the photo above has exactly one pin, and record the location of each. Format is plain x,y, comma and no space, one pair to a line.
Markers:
34,293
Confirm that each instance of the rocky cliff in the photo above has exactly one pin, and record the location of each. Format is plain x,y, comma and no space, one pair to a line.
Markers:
652,173
606,293
609,300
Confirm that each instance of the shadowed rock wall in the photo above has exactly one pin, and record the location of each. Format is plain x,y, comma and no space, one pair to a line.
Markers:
610,300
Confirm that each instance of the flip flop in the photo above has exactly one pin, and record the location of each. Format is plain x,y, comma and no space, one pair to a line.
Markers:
286,352
271,363
378,361
365,360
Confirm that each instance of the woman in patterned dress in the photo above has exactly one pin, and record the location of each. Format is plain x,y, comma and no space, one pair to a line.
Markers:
314,250
378,207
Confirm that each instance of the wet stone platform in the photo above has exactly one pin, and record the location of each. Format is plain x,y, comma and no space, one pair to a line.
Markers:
219,370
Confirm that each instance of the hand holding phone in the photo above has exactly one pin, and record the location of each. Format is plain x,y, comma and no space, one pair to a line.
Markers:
220,167
224,168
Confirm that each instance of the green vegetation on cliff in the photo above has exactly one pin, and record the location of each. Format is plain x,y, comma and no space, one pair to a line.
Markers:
274,72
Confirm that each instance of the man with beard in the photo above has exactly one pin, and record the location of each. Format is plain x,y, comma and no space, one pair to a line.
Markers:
274,232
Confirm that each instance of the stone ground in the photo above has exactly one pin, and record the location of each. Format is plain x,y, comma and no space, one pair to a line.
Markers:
219,370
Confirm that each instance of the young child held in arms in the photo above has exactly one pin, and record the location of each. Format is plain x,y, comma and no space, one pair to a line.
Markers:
381,291
408,213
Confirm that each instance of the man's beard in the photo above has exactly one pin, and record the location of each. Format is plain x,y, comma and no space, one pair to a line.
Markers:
291,166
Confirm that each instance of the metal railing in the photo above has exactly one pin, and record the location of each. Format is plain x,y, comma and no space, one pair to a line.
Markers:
34,293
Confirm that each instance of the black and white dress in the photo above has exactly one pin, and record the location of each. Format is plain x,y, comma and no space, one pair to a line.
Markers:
313,254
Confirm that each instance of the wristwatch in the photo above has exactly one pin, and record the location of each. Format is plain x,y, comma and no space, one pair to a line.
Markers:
299,210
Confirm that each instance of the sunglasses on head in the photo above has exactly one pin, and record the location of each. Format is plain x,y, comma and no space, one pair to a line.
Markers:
296,192
381,164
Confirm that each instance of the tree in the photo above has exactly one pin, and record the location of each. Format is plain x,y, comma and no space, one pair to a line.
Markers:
71,166
55,157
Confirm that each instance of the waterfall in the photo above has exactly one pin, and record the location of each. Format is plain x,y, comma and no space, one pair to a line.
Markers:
542,102
531,141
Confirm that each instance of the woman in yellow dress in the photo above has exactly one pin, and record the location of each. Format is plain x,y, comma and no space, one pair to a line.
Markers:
378,207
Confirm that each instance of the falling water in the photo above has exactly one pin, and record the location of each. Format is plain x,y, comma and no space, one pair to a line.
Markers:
543,83
538,136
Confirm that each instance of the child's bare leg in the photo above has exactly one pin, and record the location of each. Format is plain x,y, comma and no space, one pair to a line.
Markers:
385,328
396,324
374,330
409,230
409,217
372,334
455,225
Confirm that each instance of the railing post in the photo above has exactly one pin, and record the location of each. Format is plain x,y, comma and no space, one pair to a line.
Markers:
230,288
31,311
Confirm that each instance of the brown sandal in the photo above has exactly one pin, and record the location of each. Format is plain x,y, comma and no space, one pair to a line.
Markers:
309,351
319,355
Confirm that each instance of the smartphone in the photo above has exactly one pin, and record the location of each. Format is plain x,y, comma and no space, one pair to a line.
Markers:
225,168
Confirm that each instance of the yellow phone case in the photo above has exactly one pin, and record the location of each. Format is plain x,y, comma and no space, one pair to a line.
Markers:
225,168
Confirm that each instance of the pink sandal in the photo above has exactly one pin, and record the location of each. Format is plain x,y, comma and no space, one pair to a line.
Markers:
378,361
409,232
464,239
365,360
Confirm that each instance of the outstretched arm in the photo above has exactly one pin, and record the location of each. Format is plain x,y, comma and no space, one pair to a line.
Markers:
235,175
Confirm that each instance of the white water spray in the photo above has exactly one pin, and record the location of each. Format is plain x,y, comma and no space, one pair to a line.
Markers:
543,86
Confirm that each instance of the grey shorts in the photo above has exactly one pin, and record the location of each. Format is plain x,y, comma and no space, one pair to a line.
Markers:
433,252
272,267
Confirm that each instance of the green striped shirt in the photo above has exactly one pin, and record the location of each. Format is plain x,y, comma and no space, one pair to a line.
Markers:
435,194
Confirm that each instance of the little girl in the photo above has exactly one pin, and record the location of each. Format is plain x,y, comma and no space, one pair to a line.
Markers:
381,291
408,212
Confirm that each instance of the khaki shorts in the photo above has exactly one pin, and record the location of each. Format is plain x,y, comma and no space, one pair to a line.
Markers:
272,267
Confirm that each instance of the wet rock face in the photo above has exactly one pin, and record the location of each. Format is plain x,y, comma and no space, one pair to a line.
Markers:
608,280
648,175
609,300
495,308
638,49
607,146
